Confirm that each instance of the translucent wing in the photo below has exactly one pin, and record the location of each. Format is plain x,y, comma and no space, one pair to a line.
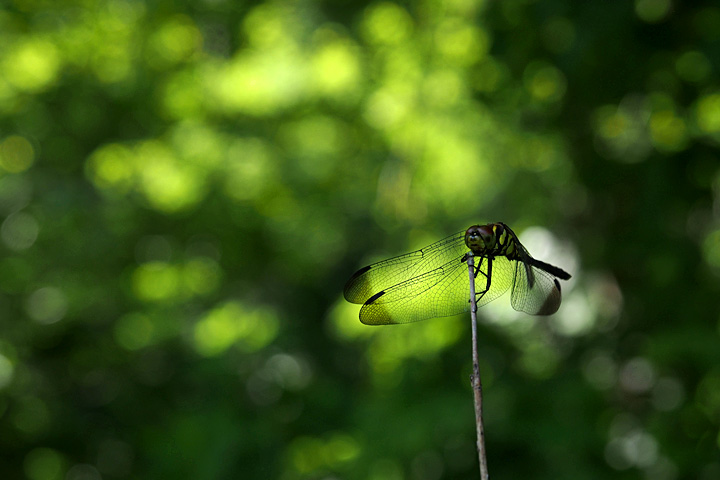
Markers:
534,291
433,282
370,280
535,288
502,274
441,292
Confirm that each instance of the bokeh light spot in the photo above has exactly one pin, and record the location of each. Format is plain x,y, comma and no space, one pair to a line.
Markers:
47,305
134,331
443,88
44,464
711,249
336,68
198,144
266,26
693,67
32,65
386,24
392,346
539,360
111,166
260,83
250,164
15,193
634,449
652,11
16,154
461,43
621,130
183,95
708,393
316,142
31,415
576,317
169,184
231,323
667,394
708,113
668,131
600,371
306,454
389,105
175,40
7,371
288,371
201,275
156,281
311,454
83,471
544,82
341,448
19,231
637,375
344,322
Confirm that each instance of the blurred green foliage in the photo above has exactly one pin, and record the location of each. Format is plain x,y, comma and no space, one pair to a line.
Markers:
186,186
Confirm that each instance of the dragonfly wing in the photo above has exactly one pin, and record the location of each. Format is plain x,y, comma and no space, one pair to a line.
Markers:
534,291
440,292
502,274
370,280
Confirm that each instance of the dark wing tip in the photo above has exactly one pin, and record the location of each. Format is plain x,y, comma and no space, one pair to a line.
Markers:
372,299
374,314
348,291
359,272
552,302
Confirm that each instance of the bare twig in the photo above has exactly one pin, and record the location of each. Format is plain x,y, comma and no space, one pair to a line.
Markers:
475,377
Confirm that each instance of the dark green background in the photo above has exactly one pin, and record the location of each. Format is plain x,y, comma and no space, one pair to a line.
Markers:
185,187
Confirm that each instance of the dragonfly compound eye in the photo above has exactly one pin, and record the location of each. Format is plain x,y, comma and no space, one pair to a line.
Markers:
488,235
478,237
473,240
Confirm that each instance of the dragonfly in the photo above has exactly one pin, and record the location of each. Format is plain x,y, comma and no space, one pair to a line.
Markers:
434,281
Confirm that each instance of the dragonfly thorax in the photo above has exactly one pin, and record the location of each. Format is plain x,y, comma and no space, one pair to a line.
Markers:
490,239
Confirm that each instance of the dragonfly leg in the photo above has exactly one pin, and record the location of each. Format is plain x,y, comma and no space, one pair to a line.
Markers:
487,276
477,267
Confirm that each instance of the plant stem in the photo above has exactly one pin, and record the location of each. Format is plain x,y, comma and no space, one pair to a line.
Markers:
475,377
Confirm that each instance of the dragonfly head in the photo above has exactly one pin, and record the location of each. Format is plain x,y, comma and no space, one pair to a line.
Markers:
480,237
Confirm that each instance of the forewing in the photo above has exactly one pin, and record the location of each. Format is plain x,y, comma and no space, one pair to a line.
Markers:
370,280
534,291
440,292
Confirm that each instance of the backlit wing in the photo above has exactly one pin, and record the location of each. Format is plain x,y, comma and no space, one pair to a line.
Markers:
535,288
534,291
370,280
433,281
441,292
